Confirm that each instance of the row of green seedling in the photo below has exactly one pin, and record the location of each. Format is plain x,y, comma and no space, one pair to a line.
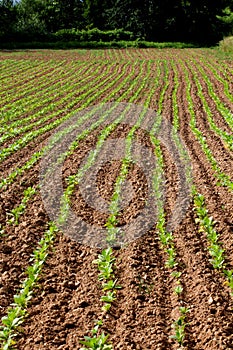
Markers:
48,97
228,139
18,310
166,237
14,215
167,242
105,263
16,314
223,179
207,225
26,70
45,80
32,121
224,111
215,71
19,144
37,155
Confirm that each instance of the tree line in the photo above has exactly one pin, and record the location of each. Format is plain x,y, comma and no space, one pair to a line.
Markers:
199,21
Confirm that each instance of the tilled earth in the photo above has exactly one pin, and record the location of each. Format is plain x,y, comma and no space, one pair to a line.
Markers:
66,300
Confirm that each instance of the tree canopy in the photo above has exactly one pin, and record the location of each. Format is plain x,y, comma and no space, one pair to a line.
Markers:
203,21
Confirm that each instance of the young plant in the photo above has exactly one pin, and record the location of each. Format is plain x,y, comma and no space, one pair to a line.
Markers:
16,314
96,343
179,326
18,211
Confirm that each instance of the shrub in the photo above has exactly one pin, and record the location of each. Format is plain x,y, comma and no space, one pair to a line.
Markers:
93,35
226,44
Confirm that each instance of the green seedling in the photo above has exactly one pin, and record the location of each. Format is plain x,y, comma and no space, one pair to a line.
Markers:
218,256
16,314
206,225
179,326
109,297
96,343
176,274
111,285
171,262
179,289
18,211
229,275
2,231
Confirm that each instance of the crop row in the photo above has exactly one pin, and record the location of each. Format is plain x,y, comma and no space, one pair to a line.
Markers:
29,75
51,102
224,135
225,112
166,237
140,88
43,98
46,78
18,67
11,325
205,222
33,134
224,180
37,155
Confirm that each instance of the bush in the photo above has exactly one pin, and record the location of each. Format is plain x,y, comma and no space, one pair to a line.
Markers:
93,35
226,44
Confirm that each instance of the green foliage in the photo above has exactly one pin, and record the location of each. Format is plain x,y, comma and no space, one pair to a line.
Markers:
96,343
226,44
105,264
206,224
95,35
16,314
19,210
8,18
224,179
160,21
179,326
229,275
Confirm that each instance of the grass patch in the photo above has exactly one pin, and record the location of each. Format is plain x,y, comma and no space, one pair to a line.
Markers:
94,45
226,45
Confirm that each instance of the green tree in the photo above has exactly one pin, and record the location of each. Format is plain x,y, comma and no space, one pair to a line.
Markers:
31,23
94,13
130,15
8,18
63,14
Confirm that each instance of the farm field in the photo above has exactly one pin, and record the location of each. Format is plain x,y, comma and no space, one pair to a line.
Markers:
168,287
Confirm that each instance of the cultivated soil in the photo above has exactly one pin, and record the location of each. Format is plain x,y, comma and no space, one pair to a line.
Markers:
66,299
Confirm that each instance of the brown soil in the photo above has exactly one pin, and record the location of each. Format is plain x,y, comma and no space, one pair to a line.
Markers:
66,301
